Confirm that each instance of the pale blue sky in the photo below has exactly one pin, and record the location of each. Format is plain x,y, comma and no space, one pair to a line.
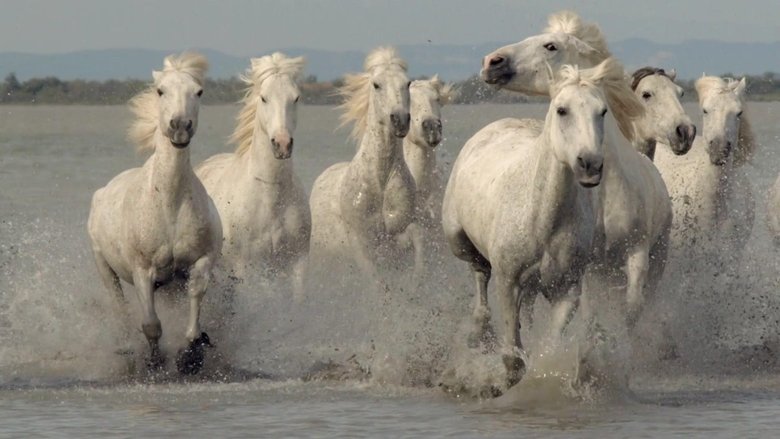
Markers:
243,27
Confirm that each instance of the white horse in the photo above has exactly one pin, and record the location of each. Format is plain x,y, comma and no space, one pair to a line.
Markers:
264,209
427,96
156,224
773,211
634,208
711,194
515,206
360,207
665,121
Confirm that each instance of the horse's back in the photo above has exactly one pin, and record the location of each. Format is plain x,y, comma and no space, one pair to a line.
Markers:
477,189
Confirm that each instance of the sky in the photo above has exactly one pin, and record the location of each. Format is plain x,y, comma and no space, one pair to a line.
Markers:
245,28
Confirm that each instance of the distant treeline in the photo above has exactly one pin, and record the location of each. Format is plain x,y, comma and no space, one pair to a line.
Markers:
52,90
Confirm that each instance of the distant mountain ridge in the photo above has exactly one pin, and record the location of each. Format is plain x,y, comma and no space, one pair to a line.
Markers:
452,62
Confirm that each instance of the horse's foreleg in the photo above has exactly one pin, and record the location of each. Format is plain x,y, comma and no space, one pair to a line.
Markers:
199,277
191,359
509,299
299,278
418,243
637,266
143,279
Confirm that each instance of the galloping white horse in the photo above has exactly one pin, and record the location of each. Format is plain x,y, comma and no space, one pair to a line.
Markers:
634,208
773,211
427,96
711,194
360,207
665,120
156,224
265,214
515,206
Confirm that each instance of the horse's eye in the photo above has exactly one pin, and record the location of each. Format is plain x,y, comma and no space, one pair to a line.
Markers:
682,93
646,95
297,98
561,111
376,86
200,93
739,114
704,111
159,92
603,112
551,47
408,84
262,98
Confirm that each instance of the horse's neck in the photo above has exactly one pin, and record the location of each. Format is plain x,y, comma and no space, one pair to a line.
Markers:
379,153
421,160
263,166
170,169
554,191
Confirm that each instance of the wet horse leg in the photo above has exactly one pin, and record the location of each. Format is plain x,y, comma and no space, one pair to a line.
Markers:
191,359
143,279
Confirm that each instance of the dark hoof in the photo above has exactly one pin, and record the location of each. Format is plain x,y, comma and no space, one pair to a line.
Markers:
515,369
155,363
190,360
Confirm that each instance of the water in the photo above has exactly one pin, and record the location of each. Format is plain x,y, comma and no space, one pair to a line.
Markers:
60,374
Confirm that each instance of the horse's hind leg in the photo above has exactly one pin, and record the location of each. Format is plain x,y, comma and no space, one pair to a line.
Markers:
143,279
464,249
109,278
509,295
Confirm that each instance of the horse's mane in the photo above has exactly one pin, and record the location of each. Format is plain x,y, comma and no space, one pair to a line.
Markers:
356,88
747,141
445,91
643,73
145,104
596,77
261,69
625,106
568,22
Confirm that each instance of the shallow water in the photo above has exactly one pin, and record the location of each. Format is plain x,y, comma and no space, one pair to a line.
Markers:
60,375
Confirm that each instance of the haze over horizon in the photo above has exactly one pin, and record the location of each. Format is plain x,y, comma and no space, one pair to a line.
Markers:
246,28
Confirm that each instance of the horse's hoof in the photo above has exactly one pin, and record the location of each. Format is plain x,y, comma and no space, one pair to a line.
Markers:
155,363
190,361
515,369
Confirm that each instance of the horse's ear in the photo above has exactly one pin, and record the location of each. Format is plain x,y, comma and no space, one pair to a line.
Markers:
672,74
581,46
157,75
739,90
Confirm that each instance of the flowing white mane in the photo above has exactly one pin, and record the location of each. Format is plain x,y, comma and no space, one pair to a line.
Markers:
445,91
568,22
261,69
144,104
707,85
356,89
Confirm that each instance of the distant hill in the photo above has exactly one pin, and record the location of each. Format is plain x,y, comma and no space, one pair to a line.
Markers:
452,62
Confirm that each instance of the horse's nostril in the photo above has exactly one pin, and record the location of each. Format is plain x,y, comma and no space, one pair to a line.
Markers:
173,124
496,60
189,124
581,162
